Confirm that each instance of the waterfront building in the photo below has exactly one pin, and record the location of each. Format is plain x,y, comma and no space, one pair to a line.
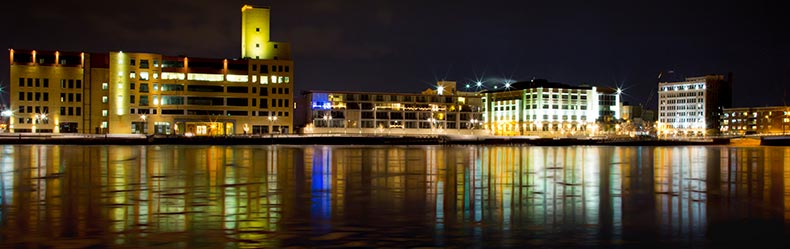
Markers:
693,107
150,93
771,120
543,108
443,110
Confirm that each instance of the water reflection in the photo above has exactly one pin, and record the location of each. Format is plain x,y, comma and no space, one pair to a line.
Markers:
273,196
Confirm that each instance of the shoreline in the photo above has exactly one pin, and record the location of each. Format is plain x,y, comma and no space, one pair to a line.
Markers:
330,139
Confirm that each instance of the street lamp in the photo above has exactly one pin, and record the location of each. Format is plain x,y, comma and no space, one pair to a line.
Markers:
271,121
145,124
6,114
39,119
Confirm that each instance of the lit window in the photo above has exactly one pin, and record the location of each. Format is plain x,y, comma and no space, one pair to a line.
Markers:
237,78
131,75
104,125
105,86
156,87
287,79
104,99
274,79
143,76
104,113
156,76
264,80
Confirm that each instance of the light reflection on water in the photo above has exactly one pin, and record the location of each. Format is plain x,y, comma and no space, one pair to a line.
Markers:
479,196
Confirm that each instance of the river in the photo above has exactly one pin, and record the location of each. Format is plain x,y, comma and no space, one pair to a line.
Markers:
393,196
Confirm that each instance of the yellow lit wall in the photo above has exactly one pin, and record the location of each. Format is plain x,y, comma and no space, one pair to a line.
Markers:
119,94
254,31
53,74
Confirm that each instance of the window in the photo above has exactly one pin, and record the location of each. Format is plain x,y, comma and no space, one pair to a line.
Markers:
105,86
132,75
79,97
257,29
104,99
29,82
46,96
21,96
29,96
143,75
71,84
143,100
38,96
257,45
143,64
287,69
143,87
156,87
104,113
38,82
131,86
79,111
131,62
275,45
79,83
21,82
62,110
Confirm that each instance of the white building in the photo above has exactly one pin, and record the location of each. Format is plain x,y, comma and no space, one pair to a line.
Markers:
694,106
542,108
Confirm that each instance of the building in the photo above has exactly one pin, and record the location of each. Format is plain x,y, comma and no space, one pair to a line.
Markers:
693,107
772,120
150,93
441,111
543,108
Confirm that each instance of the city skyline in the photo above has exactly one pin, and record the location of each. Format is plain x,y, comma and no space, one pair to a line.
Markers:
407,47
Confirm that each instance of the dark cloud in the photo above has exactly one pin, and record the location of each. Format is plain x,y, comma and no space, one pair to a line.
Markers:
406,45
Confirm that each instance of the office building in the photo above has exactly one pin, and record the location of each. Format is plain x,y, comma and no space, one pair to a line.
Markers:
693,107
149,93
443,110
771,120
543,108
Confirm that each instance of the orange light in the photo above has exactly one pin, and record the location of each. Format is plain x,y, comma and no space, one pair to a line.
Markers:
245,7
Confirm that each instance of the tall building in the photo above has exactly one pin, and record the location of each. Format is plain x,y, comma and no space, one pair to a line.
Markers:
693,107
539,107
125,92
440,111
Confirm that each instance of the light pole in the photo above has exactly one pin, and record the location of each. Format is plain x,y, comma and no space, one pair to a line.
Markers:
271,127
39,119
473,122
327,120
6,114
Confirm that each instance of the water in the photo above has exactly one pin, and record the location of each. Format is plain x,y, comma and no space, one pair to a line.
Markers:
408,196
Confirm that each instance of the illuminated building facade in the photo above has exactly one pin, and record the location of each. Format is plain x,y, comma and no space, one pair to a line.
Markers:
772,120
693,107
543,108
148,93
440,111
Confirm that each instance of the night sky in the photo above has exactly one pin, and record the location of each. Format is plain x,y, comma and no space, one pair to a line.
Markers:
406,46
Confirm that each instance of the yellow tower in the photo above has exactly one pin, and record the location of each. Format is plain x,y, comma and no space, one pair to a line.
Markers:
254,32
